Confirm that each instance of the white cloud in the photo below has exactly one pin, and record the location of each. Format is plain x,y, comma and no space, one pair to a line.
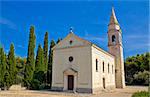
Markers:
136,42
7,22
136,37
93,38
20,46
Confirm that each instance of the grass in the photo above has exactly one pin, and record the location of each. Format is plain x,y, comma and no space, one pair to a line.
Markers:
141,94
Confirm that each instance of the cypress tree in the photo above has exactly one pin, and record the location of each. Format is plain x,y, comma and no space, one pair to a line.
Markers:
1,76
39,63
45,49
2,66
52,44
20,65
5,76
30,64
12,64
58,40
7,79
38,77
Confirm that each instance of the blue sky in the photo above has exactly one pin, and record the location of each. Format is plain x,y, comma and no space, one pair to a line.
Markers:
88,18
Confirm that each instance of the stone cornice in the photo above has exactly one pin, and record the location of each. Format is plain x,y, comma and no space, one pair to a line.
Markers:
69,47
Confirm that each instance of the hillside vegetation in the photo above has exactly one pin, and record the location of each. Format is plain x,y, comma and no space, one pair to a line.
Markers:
137,69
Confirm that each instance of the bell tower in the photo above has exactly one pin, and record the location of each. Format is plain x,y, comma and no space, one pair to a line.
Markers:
116,48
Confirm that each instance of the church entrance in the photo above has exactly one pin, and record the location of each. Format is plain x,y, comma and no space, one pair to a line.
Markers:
104,83
70,82
70,79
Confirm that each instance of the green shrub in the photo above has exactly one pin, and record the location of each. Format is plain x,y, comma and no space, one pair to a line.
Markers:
34,85
140,94
137,69
18,79
42,86
141,78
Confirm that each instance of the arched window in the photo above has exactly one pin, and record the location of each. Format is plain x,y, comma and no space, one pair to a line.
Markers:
103,67
96,65
114,39
108,67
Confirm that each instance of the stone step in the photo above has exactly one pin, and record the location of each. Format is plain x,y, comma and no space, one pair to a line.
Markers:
16,87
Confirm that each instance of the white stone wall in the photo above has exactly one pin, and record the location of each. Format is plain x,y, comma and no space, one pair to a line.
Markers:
97,76
86,78
81,63
76,41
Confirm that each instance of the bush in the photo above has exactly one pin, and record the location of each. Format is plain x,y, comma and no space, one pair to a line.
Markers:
137,69
140,94
39,76
129,80
42,86
142,78
35,84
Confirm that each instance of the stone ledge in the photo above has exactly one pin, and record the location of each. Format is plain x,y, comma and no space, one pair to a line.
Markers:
16,88
57,88
84,90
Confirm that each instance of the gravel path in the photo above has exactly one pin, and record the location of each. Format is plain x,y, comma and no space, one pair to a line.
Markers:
127,92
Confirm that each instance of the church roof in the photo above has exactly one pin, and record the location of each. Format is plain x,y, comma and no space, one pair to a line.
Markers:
86,41
96,46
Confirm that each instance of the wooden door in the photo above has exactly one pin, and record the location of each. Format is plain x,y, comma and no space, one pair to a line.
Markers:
70,82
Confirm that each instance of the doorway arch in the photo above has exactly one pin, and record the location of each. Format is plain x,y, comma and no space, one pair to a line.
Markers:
70,79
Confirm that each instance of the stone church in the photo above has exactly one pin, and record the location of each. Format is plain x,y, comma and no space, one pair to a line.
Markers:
81,66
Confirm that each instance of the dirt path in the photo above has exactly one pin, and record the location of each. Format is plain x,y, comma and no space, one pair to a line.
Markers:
127,92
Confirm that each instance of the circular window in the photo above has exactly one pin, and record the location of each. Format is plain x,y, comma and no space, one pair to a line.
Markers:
70,59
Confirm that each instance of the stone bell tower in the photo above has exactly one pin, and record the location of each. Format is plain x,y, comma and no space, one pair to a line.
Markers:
116,49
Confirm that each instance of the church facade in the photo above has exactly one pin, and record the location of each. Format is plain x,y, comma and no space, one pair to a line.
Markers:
81,66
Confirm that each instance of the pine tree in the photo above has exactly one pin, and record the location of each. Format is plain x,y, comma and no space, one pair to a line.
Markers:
39,64
30,64
45,49
52,44
12,64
